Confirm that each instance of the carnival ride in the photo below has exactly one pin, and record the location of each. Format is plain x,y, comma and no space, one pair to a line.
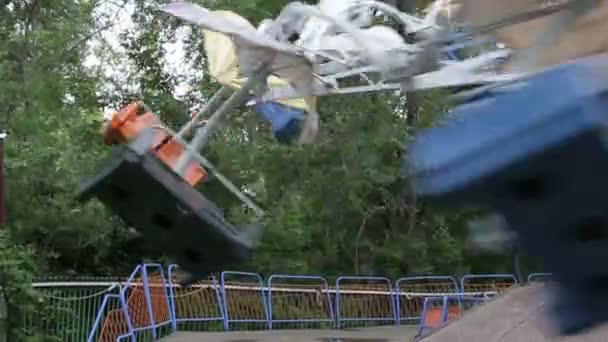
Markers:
505,137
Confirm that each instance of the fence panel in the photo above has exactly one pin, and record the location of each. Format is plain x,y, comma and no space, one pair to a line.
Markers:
137,299
486,285
411,293
157,292
244,300
364,300
307,302
147,302
112,322
195,307
70,308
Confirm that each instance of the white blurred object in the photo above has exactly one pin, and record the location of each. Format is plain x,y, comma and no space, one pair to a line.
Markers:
317,47
253,49
491,234
380,37
265,27
351,11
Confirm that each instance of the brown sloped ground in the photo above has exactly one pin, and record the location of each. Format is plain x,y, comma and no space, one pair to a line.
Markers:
517,316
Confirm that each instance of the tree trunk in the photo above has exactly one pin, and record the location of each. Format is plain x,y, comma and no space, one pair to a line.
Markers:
517,266
412,110
411,120
2,181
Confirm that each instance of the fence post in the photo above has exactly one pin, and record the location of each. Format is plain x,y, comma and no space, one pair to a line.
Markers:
172,297
148,298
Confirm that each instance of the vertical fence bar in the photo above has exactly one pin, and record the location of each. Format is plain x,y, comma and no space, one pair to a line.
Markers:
160,303
148,297
172,301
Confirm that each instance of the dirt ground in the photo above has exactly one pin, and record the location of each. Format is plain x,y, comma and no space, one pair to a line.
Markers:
381,334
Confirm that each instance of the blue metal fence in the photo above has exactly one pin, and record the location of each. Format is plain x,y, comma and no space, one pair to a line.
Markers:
247,298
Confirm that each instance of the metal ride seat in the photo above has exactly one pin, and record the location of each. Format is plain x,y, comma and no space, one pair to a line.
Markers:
138,183
536,152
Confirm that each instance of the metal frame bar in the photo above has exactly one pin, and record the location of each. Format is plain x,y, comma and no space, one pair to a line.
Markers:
203,133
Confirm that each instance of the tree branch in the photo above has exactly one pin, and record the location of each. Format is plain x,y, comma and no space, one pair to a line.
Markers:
113,22
362,227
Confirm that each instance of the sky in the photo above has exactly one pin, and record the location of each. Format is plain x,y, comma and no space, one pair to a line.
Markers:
119,18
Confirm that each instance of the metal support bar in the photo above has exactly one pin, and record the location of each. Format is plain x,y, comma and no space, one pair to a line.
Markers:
203,133
209,166
209,108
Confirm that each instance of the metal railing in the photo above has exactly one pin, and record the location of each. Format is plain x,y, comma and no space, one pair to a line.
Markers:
70,308
247,299
149,305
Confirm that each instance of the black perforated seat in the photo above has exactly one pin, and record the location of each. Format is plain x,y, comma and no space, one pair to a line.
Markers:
172,215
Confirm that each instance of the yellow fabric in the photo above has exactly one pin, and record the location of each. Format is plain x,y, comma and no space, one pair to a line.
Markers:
223,64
